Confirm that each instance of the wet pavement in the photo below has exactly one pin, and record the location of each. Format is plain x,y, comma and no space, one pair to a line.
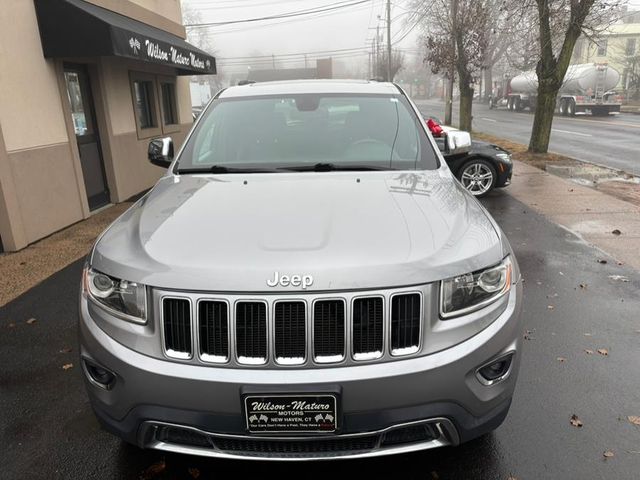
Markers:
610,140
47,429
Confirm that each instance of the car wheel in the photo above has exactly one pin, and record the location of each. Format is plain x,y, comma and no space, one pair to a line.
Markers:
571,108
563,108
478,176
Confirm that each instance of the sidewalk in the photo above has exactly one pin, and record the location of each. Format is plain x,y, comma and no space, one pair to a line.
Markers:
591,214
24,269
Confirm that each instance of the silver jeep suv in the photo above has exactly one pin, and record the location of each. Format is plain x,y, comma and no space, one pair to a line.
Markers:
307,280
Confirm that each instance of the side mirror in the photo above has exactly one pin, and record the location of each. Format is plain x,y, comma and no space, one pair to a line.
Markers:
457,142
160,151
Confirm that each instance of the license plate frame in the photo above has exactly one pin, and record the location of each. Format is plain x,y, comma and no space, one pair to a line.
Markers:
291,413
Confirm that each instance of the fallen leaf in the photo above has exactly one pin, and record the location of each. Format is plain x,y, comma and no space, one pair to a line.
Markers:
31,321
561,273
194,472
571,189
608,454
66,350
588,352
602,260
153,470
616,232
603,351
67,366
575,421
587,334
634,419
561,359
583,285
12,325
620,263
550,307
538,283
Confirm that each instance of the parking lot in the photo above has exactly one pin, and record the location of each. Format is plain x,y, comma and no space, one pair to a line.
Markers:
580,358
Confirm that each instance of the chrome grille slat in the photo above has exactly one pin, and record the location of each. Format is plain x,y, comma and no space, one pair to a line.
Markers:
290,332
405,323
251,332
213,321
328,331
368,328
177,327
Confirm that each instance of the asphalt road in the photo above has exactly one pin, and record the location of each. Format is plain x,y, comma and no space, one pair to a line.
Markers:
613,141
47,430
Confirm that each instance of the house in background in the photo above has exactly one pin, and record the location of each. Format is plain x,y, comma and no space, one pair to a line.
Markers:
618,46
85,85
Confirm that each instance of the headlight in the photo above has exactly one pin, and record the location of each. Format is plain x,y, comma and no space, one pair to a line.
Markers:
504,156
472,291
126,299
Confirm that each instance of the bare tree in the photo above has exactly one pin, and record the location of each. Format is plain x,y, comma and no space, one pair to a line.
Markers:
455,34
397,63
505,25
201,38
559,25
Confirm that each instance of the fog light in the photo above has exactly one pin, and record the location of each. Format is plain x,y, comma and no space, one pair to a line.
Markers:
99,376
496,371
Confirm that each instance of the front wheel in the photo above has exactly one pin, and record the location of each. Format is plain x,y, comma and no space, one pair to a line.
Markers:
478,176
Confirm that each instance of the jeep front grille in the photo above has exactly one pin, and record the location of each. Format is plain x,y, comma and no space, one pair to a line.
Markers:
367,328
177,327
287,331
328,331
213,321
251,332
405,324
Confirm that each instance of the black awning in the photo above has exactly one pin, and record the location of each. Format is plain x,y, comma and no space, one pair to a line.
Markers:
75,28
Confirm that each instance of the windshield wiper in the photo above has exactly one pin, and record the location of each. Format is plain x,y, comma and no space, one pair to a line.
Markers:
334,167
225,169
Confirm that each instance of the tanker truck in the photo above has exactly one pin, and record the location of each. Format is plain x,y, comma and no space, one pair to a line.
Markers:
586,90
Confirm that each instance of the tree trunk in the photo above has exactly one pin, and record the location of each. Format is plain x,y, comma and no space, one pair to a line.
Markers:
488,83
541,132
466,99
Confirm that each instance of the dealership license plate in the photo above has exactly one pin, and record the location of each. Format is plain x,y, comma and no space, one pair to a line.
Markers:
291,413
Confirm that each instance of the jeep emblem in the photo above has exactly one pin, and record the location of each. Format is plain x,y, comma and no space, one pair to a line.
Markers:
303,281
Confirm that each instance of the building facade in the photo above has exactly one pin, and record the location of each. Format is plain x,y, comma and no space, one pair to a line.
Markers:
84,86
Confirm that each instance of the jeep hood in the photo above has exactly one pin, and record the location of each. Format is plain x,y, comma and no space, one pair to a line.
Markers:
230,233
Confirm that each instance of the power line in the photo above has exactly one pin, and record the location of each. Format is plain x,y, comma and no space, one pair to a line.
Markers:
328,8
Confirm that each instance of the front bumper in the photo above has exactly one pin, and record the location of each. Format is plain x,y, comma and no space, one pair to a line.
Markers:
439,391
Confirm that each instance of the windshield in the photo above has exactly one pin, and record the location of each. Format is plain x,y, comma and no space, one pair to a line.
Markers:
308,132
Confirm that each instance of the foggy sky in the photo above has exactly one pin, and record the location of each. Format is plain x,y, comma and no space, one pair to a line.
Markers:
341,29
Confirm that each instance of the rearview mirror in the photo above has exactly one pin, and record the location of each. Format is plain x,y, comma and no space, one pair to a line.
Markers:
457,142
160,151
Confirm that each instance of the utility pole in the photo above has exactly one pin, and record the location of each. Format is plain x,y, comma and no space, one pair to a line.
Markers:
377,62
448,107
389,79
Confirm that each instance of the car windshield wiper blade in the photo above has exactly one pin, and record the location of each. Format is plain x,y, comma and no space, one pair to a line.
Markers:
333,167
225,169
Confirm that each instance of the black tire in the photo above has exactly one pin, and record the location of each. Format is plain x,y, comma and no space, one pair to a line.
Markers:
562,108
469,168
571,107
517,104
